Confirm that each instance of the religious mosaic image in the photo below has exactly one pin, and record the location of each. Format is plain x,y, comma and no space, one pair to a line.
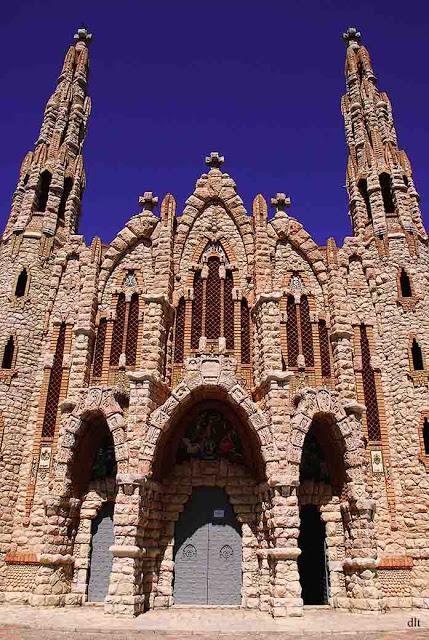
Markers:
210,437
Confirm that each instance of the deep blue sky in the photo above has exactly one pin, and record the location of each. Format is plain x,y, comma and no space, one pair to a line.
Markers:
259,81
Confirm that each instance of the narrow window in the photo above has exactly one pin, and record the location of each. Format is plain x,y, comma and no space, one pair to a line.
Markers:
306,333
68,185
99,348
132,331
197,311
405,284
406,183
245,332
9,352
363,190
43,190
118,331
54,386
179,332
369,388
228,311
21,284
324,349
417,356
213,299
292,333
386,191
426,436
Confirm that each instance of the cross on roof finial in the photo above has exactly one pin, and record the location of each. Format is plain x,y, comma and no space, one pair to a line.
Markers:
281,201
352,36
148,201
215,160
82,35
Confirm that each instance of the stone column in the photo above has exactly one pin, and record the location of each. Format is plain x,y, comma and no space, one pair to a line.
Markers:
125,595
285,587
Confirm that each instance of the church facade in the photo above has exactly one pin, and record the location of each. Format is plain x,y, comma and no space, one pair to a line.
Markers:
214,409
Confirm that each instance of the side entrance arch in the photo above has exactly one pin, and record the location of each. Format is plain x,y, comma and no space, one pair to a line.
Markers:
207,551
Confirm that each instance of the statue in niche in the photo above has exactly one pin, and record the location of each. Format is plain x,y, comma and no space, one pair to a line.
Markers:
210,437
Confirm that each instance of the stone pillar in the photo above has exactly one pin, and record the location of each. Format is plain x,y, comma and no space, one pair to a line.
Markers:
125,595
363,590
285,587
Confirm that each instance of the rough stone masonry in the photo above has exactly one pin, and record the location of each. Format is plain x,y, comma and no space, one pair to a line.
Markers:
213,348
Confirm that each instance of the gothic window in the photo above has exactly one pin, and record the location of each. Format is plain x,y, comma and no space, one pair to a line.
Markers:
426,436
197,311
179,333
118,331
132,331
386,192
228,311
54,386
99,348
417,356
405,284
68,185
363,190
43,190
292,333
21,284
324,349
8,354
245,332
213,299
306,333
369,388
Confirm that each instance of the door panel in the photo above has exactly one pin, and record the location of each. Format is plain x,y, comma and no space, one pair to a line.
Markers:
207,551
101,557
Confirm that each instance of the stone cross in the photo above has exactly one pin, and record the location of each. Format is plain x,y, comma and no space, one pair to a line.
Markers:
148,201
83,35
215,160
352,36
281,201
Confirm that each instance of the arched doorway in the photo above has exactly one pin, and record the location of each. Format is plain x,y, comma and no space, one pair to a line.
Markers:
312,563
207,553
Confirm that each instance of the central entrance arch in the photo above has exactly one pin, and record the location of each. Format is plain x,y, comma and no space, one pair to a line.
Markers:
207,551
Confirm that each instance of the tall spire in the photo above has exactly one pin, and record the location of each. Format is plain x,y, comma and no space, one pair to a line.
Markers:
379,176
49,191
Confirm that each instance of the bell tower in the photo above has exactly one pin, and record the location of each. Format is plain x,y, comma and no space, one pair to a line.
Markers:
379,175
47,200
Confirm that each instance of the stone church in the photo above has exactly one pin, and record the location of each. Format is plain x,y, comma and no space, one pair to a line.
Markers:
214,409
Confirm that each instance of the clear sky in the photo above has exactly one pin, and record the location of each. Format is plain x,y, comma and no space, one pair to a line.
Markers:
258,81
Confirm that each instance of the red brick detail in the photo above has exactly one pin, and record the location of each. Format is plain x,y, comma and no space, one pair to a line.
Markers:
118,331
369,388
197,311
213,297
306,333
132,331
245,332
292,333
99,348
228,309
179,332
54,387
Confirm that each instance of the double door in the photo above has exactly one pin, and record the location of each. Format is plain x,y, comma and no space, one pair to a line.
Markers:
207,553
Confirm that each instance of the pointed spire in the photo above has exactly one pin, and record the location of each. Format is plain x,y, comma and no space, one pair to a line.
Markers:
52,178
379,185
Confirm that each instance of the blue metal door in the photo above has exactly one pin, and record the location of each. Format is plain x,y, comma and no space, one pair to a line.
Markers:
101,558
208,551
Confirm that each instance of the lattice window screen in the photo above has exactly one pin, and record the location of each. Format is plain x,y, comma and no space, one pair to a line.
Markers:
132,331
245,332
324,349
228,306
213,299
54,386
179,333
118,331
99,348
306,333
292,333
369,388
197,311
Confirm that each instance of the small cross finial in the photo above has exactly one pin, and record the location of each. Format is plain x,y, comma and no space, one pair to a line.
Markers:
281,201
215,160
148,201
352,36
82,35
